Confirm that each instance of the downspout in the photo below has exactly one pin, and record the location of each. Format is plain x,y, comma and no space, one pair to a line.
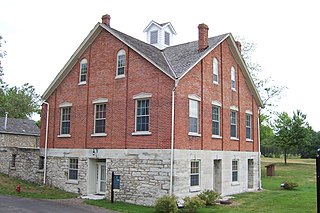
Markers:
172,137
46,145
6,121
259,154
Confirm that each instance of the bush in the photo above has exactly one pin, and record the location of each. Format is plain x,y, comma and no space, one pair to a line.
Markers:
166,204
289,185
192,204
209,197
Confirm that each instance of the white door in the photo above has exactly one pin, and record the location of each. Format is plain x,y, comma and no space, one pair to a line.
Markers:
101,178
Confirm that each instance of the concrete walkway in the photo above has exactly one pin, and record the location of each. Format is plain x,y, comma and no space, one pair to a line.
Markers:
27,205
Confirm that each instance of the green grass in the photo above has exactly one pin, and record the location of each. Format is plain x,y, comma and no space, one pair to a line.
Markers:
121,206
8,187
272,199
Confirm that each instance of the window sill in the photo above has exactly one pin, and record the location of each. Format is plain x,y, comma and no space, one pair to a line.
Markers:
234,139
40,171
233,89
99,135
235,183
72,182
82,83
119,76
216,82
249,140
12,168
194,189
194,134
64,136
216,136
141,133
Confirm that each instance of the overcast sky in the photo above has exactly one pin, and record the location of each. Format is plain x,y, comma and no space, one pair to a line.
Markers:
42,35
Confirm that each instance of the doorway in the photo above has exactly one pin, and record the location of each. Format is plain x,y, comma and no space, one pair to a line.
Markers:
101,178
217,180
250,173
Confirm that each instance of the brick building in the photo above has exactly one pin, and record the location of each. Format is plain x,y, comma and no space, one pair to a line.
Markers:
167,119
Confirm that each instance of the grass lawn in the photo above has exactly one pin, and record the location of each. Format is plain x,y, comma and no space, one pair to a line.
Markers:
8,187
272,199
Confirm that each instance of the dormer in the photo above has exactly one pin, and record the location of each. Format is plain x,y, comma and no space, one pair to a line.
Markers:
160,35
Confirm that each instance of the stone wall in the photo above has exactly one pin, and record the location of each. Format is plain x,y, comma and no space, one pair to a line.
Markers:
13,140
26,163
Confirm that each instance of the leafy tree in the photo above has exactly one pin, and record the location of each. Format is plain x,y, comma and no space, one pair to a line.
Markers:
19,102
283,134
310,150
2,54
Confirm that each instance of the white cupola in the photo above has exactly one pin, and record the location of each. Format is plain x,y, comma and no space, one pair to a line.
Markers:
160,35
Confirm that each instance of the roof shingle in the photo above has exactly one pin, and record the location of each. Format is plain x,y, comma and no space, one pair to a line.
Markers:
19,126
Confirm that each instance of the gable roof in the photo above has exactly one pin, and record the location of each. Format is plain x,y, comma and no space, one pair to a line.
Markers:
160,26
19,127
174,61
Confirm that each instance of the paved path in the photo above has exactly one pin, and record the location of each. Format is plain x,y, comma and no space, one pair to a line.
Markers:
27,205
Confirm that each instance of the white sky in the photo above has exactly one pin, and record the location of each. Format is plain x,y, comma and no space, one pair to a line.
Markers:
42,35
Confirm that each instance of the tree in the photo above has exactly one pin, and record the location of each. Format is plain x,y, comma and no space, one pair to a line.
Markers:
283,137
19,102
269,92
2,54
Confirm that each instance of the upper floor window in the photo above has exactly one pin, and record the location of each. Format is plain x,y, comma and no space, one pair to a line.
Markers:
121,63
194,102
215,71
248,126
233,78
216,120
233,124
100,118
142,115
167,38
65,121
154,37
83,71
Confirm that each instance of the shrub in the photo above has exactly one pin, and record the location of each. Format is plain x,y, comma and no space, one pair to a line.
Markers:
289,185
192,204
209,197
166,204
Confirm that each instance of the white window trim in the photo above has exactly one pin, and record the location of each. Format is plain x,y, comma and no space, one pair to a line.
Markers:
65,104
142,95
94,121
215,60
153,31
236,124
233,71
217,104
83,61
194,97
74,181
198,187
249,112
121,52
234,183
138,97
100,101
249,139
234,108
165,32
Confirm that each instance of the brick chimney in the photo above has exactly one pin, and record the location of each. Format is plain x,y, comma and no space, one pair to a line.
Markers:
203,37
238,43
106,19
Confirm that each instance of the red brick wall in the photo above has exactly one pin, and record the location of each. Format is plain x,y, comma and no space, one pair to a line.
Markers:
199,81
142,76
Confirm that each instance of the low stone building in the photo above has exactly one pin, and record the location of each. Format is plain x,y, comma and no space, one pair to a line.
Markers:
19,149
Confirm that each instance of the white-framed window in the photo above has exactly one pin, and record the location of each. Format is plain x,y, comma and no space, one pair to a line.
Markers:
100,118
83,71
73,169
215,120
195,173
121,63
233,78
215,71
167,38
235,174
142,115
248,126
65,120
154,37
194,116
233,123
